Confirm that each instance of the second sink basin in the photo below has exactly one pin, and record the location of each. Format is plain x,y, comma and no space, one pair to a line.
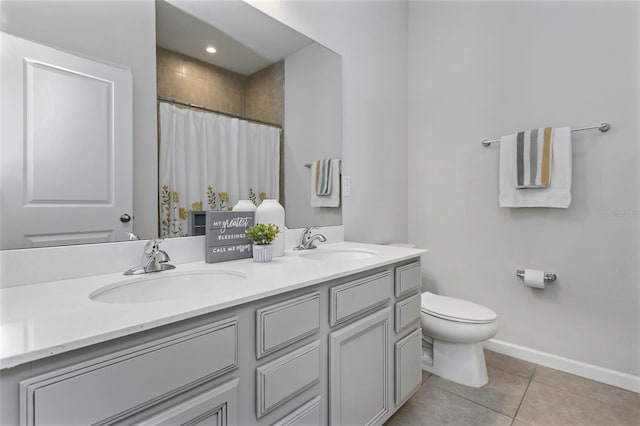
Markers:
162,286
341,255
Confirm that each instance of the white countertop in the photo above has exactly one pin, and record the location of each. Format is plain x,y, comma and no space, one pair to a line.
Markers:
40,320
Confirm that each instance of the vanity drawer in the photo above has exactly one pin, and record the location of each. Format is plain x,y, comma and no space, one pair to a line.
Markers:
305,415
282,379
408,312
356,297
127,382
408,279
218,406
282,324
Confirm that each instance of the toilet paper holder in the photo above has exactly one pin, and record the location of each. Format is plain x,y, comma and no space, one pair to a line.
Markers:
548,276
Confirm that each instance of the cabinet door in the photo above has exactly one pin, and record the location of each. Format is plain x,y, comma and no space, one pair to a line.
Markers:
217,407
358,371
408,366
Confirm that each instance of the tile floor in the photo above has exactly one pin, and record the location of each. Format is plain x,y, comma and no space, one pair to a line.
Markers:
519,393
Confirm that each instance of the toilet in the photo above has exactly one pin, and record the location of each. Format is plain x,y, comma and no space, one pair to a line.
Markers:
452,334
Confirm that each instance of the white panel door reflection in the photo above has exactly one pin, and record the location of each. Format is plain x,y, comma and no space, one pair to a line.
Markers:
66,148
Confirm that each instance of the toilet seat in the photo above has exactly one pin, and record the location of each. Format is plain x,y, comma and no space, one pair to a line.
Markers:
458,310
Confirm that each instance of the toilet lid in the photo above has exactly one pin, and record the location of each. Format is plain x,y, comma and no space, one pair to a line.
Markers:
454,309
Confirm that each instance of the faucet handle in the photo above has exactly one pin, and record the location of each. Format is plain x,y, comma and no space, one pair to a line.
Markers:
152,245
307,231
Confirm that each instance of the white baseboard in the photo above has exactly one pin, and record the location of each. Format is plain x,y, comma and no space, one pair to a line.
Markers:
579,368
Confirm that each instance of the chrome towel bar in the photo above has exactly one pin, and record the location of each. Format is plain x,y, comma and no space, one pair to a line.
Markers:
603,127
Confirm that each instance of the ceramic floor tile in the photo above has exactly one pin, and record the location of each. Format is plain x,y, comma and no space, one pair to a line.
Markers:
519,423
503,393
588,388
545,405
432,406
425,376
509,364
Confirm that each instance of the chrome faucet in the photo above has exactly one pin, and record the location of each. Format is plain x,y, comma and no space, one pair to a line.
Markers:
153,260
308,240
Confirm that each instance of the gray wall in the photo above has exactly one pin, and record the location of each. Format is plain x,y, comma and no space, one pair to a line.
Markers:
477,70
371,37
313,129
119,32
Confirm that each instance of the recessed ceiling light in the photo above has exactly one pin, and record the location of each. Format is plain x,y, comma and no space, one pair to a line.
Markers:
211,49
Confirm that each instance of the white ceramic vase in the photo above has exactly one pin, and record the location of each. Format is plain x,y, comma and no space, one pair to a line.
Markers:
262,253
270,211
244,206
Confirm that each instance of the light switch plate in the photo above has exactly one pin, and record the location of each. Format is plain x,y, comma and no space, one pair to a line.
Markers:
346,186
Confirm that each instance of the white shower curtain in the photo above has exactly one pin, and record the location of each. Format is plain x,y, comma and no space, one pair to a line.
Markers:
209,161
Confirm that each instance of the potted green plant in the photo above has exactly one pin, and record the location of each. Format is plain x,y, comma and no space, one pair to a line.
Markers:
262,235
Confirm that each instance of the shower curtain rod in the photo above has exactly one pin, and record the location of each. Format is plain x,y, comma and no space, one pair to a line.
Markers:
184,104
603,127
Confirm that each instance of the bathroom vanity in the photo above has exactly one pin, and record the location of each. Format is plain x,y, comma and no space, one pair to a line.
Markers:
329,336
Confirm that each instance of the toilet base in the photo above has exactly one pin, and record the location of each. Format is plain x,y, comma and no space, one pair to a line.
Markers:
462,363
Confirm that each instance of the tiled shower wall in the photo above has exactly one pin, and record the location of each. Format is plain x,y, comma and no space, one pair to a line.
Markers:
265,94
259,96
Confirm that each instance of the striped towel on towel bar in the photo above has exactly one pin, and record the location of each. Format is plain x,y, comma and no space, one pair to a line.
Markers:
324,174
533,158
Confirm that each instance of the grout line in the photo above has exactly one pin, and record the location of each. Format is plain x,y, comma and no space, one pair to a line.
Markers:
470,400
524,394
474,402
485,406
579,395
498,367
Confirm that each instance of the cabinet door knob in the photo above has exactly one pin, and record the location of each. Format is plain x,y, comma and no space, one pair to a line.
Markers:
125,218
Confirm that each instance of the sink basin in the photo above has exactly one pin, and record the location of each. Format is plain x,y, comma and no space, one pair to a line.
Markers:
338,255
162,286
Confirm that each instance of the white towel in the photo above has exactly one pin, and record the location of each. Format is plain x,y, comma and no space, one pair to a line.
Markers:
557,194
333,199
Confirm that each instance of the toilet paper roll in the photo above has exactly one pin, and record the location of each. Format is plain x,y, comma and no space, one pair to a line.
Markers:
534,278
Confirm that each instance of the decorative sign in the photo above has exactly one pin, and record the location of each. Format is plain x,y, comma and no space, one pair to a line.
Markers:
225,236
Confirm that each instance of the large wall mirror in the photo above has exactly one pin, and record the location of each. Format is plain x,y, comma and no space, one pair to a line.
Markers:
263,74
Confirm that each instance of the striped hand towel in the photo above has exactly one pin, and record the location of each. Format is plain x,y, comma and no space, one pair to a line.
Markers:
333,198
556,194
323,177
533,158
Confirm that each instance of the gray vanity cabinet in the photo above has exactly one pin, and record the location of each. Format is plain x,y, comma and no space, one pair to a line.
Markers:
407,349
343,352
372,362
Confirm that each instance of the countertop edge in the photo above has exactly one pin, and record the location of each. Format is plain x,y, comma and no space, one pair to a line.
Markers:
12,361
